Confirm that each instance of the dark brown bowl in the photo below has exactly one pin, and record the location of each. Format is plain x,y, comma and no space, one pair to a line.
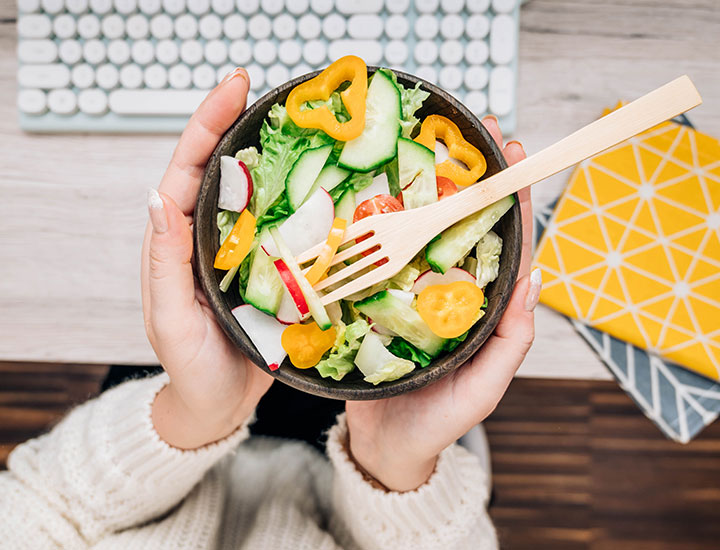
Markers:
245,132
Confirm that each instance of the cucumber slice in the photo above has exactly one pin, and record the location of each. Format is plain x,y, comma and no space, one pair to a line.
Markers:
391,312
416,169
345,206
303,174
264,288
455,242
378,142
330,177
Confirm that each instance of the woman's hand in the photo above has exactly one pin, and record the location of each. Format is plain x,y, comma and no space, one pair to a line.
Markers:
213,387
398,440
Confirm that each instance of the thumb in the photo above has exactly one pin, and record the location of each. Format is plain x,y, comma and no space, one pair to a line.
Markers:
170,277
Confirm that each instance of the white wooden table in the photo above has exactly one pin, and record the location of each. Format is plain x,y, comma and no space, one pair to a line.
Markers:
72,208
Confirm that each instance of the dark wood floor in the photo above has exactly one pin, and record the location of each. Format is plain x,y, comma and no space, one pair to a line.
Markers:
576,465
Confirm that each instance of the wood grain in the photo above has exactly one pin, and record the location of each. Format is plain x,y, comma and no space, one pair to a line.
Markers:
79,201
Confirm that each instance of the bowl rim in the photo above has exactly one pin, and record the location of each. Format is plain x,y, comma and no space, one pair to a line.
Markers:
420,377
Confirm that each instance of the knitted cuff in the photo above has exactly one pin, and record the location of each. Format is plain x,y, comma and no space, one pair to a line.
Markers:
440,514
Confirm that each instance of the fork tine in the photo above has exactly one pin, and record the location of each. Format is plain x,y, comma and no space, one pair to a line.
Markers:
351,233
385,271
354,250
350,270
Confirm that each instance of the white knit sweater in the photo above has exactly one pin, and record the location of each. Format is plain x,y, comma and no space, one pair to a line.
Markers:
102,478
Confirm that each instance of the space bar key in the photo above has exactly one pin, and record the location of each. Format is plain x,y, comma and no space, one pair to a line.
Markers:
155,102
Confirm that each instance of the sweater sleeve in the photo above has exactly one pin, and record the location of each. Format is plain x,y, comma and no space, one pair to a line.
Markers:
448,512
103,468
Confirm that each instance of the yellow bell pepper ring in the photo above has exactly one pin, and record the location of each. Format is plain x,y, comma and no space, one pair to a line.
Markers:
438,127
321,265
237,244
354,97
306,344
450,309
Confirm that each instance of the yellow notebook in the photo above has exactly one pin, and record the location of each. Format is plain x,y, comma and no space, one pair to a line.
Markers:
633,246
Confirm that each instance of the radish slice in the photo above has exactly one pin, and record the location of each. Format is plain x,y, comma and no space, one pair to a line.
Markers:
308,226
236,185
288,313
432,278
264,331
379,186
292,286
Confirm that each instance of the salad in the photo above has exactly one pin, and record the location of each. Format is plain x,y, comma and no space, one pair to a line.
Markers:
341,148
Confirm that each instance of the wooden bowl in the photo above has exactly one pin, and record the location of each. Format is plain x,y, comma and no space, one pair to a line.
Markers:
245,132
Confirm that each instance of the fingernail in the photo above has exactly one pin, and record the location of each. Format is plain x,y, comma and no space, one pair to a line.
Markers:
516,142
492,117
237,71
156,208
533,293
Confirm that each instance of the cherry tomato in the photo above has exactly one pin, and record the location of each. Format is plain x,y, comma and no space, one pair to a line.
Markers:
379,204
445,188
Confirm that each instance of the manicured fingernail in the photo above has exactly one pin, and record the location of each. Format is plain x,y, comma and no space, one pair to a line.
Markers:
491,117
156,208
533,293
237,71
516,143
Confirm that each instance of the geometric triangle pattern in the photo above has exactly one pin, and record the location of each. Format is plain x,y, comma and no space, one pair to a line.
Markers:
633,246
678,401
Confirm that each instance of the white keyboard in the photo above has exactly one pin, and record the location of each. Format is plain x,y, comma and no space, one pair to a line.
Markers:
145,65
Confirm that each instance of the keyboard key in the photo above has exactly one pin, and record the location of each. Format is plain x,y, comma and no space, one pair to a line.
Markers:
113,26
167,52
29,6
76,6
426,52
451,52
309,26
191,52
260,27
349,7
70,51
257,76
62,102
477,26
276,75
107,76
180,76
64,26
131,76
503,6
397,26
396,52
426,72
264,52
284,26
142,52
289,52
216,52
83,76
155,102
369,50
476,52
476,77
451,77
149,7
161,26
452,26
477,102
333,26
203,77
52,6
298,7
101,7
37,51
427,6
198,7
273,7
34,26
426,27
478,6
502,40
299,70
321,6
223,71
452,6
365,26
248,7
94,51
234,26
240,52
314,52
137,26
88,26
32,102
210,27
125,7
118,52
155,76
176,7
501,90
222,7
92,102
397,6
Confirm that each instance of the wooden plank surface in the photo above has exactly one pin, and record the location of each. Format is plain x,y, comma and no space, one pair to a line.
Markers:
72,208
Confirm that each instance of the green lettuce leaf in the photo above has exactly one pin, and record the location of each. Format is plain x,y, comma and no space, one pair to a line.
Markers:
249,156
334,103
405,278
488,258
404,349
225,221
278,211
452,343
391,370
347,342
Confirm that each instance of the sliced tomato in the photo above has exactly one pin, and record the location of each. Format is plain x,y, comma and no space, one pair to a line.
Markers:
445,187
379,204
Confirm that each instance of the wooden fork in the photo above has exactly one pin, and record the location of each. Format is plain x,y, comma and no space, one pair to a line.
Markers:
399,236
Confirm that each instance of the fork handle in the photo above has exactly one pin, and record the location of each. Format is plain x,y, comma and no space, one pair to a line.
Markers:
662,104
